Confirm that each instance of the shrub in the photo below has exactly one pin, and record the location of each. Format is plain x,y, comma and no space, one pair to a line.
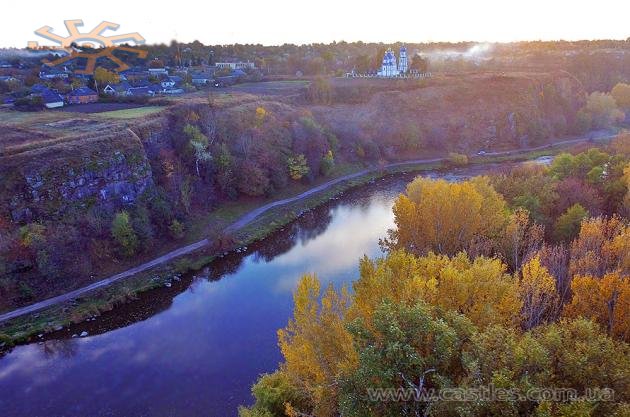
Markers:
457,159
123,234
297,166
176,229
327,163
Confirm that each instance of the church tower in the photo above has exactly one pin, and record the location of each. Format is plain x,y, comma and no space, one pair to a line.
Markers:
403,65
389,67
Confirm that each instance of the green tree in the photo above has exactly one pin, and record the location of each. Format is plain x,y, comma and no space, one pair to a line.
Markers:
567,225
298,167
123,234
176,229
407,347
199,144
327,164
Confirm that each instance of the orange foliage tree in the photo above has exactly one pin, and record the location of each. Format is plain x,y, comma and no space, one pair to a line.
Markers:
604,300
602,246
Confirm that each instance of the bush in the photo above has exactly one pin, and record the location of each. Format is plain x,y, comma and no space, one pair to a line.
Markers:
298,166
457,159
327,164
123,234
176,229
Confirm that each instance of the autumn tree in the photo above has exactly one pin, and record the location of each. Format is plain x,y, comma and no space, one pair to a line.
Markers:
446,217
604,300
537,291
103,76
521,239
298,166
316,345
621,94
479,288
555,258
602,246
601,110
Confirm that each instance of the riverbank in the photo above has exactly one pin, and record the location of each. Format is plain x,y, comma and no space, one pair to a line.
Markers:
251,227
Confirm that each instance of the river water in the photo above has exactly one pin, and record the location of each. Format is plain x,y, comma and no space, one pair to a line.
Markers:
196,348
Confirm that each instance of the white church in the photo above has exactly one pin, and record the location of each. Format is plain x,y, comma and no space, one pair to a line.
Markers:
390,67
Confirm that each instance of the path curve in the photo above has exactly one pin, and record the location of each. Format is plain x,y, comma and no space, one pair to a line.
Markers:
244,221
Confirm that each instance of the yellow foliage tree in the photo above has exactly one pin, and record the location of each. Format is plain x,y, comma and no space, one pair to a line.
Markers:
602,246
538,294
521,239
261,114
316,345
103,76
445,217
604,300
478,288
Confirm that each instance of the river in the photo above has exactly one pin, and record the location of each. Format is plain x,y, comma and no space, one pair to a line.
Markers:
196,348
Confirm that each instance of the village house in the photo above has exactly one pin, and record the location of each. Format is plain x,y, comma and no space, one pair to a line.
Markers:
148,91
235,65
200,78
50,73
156,72
82,95
121,89
50,99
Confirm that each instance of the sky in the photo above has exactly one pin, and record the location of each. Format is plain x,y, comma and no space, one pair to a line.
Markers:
276,22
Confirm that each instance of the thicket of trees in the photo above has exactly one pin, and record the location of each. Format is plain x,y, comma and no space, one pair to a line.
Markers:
473,292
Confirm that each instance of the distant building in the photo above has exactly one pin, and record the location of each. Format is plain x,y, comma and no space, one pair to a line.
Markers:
158,71
403,63
50,73
390,68
120,89
51,99
82,95
141,91
201,79
235,65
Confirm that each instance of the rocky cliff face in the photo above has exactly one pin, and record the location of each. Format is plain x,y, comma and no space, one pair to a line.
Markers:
110,171
110,165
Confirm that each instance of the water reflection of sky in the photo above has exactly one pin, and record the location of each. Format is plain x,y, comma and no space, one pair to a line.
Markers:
199,356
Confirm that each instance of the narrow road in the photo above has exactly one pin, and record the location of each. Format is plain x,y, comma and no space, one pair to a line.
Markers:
244,221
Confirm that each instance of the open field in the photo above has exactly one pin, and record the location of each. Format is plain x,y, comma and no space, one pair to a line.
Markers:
98,107
131,113
270,87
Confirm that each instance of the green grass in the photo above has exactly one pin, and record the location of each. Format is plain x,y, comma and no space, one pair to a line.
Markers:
130,113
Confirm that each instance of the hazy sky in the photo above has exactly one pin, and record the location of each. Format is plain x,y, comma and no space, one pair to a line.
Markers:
285,21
